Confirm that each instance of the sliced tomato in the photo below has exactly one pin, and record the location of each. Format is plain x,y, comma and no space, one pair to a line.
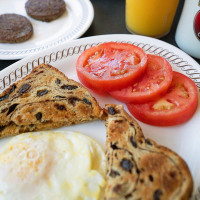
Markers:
177,106
155,82
111,66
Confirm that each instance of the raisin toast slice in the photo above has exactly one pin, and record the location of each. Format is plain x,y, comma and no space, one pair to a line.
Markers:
138,168
45,99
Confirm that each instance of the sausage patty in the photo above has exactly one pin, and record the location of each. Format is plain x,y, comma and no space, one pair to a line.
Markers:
45,10
14,28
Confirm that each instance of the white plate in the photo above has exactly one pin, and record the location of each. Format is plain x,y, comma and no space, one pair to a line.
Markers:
71,25
183,139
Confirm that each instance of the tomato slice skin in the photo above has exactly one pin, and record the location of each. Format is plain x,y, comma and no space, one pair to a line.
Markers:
153,84
110,66
177,106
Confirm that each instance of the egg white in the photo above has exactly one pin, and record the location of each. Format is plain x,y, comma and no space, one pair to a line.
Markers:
52,165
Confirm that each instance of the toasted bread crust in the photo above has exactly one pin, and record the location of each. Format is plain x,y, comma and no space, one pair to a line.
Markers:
138,168
45,99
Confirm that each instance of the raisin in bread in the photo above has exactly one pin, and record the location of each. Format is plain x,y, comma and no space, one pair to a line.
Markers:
138,168
45,99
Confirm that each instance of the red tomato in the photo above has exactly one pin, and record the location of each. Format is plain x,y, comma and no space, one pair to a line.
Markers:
154,83
111,66
175,107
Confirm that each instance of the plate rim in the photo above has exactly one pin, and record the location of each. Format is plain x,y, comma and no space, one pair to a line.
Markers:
79,30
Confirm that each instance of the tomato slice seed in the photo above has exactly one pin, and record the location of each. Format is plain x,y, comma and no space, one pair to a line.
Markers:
163,104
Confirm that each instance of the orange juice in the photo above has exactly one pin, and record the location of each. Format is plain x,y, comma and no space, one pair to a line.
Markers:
150,17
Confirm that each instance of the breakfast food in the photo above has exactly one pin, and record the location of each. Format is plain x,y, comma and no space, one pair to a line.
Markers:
14,28
177,106
137,167
110,66
152,85
145,82
45,10
52,165
45,99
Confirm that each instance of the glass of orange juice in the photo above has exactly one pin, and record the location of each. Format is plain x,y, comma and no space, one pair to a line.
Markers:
150,17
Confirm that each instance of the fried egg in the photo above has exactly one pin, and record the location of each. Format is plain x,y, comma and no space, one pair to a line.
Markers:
52,165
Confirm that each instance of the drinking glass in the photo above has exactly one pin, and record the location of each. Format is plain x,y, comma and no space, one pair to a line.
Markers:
150,17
